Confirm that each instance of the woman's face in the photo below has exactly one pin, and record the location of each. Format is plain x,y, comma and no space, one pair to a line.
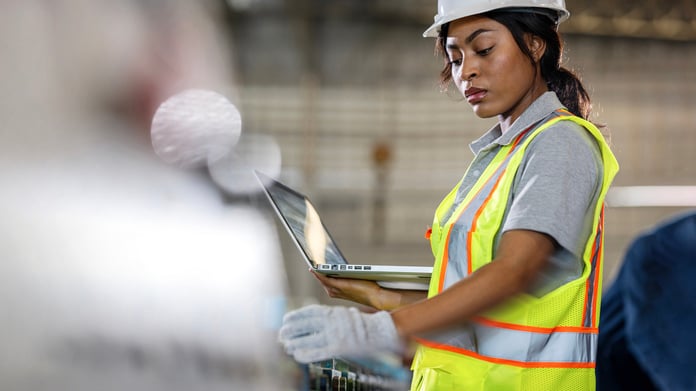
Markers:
490,70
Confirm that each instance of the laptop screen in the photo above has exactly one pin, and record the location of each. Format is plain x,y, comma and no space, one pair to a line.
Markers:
304,223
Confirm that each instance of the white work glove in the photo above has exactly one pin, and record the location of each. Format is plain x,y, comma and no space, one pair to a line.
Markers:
319,332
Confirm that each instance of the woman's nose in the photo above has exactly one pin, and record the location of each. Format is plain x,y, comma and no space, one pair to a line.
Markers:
468,72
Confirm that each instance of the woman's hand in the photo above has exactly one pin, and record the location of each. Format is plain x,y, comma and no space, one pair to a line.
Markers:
367,292
319,332
359,291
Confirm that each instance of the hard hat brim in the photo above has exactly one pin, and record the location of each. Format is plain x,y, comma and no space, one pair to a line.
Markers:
434,29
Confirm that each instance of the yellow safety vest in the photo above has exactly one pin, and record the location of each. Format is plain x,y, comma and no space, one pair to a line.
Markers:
528,343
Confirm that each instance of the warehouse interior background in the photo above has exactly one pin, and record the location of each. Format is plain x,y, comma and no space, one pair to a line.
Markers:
334,82
100,237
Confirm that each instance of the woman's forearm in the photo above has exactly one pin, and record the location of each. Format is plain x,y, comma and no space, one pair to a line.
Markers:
459,303
521,256
391,299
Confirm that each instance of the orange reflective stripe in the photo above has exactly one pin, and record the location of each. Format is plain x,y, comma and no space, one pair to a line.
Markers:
588,283
536,329
503,361
586,299
469,239
597,252
598,267
445,259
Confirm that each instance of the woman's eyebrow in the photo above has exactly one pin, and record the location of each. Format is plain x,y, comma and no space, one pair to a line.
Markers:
475,34
469,39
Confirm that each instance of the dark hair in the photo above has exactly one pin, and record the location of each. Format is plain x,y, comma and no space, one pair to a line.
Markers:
562,81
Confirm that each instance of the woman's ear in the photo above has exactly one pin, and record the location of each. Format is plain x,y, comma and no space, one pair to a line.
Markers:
537,46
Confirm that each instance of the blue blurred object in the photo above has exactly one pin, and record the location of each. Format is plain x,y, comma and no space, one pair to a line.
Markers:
646,337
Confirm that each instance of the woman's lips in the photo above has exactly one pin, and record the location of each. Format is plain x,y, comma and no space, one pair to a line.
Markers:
474,95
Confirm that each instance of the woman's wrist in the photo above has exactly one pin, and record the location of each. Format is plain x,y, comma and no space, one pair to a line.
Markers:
390,299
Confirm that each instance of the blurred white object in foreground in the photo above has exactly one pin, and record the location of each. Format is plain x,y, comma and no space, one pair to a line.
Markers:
195,126
122,273
234,172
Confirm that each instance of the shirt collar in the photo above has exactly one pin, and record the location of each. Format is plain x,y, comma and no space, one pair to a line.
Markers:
539,109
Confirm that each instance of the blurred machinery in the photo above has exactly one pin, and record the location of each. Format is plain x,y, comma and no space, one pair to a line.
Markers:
342,374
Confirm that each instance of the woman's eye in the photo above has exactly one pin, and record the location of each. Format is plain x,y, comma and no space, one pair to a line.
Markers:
485,51
455,61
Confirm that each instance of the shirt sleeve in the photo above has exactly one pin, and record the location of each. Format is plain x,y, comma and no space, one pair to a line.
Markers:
557,186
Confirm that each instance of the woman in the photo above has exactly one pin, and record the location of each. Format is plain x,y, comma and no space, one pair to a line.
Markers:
513,302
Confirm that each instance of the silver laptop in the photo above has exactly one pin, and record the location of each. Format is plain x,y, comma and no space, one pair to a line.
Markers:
316,245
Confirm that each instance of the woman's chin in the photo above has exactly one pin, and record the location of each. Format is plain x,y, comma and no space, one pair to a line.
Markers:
481,112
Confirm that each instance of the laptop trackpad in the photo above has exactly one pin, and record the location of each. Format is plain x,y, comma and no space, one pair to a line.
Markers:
408,285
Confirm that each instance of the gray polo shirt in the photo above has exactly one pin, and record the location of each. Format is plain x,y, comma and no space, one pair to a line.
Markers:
554,191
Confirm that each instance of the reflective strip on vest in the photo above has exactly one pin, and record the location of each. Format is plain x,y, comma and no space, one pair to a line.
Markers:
590,307
520,347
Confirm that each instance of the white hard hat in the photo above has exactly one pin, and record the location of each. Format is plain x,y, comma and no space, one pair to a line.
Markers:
449,10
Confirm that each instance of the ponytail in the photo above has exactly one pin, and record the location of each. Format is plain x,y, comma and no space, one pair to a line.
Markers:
569,90
560,80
